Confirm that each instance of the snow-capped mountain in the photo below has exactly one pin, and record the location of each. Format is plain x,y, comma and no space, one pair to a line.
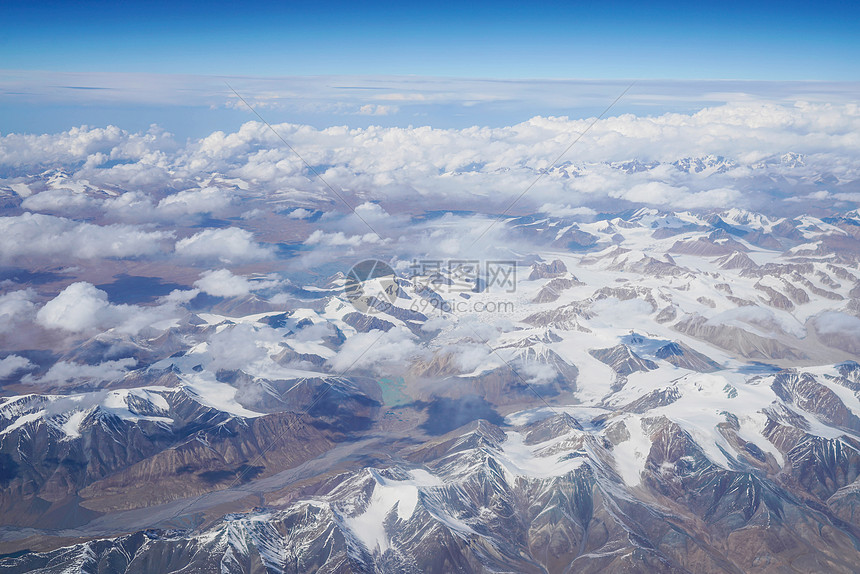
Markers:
666,392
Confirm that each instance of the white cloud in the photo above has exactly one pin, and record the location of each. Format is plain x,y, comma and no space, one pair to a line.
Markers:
469,357
34,234
473,168
240,346
205,200
383,351
92,146
257,102
652,192
472,329
435,324
82,308
536,373
315,332
300,213
168,307
663,194
833,322
64,372
222,283
66,147
178,297
231,245
377,110
824,195
16,307
720,197
400,97
838,330
61,201
130,206
340,239
14,364
560,210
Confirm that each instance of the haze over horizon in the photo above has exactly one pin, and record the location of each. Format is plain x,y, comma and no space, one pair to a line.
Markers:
497,64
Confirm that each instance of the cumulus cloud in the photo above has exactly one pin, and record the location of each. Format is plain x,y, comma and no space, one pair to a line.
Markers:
240,346
564,210
536,373
368,226
469,357
60,201
477,166
377,110
34,234
167,308
81,308
340,239
454,236
63,148
835,322
653,192
205,200
385,352
93,146
64,372
660,193
300,213
14,364
315,332
222,283
839,330
16,307
435,324
133,206
824,195
710,198
613,311
231,245
130,206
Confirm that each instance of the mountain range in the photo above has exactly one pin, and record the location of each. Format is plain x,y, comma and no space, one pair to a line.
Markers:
663,391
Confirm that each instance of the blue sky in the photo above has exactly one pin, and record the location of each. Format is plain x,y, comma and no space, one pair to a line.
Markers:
591,39
64,64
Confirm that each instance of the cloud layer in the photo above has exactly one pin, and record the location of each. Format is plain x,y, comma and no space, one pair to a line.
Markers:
710,158
230,201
